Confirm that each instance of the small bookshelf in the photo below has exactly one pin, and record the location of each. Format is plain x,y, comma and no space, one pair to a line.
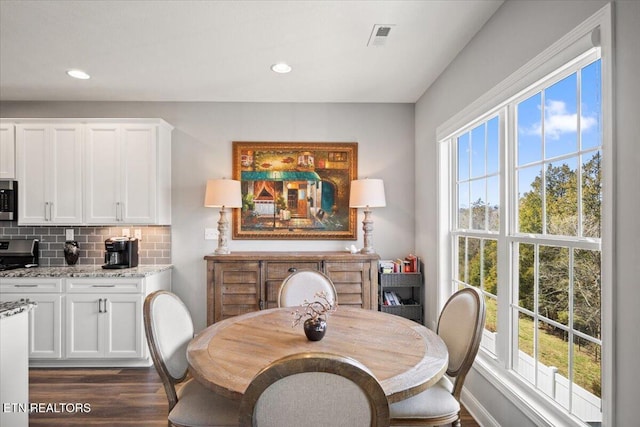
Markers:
401,293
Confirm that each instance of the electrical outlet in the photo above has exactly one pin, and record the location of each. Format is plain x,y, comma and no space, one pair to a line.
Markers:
210,234
68,234
137,233
125,232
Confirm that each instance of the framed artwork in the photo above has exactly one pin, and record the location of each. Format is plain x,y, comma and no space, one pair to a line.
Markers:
295,190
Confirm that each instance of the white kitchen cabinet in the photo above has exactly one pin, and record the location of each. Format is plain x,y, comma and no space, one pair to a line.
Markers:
128,173
49,172
7,151
104,325
45,320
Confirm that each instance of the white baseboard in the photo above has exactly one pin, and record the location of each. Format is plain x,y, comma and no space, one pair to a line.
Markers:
477,411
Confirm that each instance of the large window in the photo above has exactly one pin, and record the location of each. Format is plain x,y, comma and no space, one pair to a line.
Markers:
526,231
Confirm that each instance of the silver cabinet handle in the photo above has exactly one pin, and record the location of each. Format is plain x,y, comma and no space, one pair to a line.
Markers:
103,286
46,208
100,305
105,305
25,286
51,211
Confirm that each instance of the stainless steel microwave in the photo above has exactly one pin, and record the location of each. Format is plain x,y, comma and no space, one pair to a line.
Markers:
8,200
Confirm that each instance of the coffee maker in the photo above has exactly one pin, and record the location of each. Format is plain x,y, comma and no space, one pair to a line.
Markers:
120,252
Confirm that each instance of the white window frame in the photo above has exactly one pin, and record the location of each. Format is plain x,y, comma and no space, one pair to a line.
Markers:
596,30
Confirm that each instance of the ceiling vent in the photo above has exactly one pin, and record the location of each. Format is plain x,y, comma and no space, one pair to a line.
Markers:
379,34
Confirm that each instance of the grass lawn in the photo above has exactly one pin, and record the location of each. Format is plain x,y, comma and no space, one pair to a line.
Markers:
554,351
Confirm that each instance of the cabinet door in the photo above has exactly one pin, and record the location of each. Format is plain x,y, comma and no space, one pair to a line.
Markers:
139,174
102,177
236,289
45,324
124,335
31,158
7,151
84,326
49,170
352,281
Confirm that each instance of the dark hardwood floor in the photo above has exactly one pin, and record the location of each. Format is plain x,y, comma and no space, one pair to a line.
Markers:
117,397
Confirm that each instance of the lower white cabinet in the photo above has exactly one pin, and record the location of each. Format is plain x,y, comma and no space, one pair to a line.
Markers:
45,320
104,326
86,321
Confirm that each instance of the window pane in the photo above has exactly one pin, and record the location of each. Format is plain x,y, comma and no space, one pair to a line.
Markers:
561,117
587,377
553,363
478,204
473,252
462,259
478,151
493,203
591,105
530,130
524,363
491,321
530,200
490,267
591,194
562,198
493,146
463,206
587,292
526,268
463,157
553,283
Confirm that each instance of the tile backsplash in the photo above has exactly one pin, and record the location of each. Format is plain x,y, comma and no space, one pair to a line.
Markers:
154,247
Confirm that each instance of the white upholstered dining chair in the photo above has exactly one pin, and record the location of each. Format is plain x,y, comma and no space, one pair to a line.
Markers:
460,327
304,284
169,329
314,389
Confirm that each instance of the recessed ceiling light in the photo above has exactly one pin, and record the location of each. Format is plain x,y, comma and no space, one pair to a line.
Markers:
78,74
281,68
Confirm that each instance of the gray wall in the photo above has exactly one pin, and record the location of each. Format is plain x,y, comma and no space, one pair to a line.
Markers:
201,149
515,34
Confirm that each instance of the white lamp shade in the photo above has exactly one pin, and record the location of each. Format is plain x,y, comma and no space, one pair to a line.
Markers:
223,192
367,192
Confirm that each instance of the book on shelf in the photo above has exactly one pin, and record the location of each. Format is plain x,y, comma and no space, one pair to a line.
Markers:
410,264
391,298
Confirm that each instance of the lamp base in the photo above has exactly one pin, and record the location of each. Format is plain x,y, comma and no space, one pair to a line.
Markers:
367,251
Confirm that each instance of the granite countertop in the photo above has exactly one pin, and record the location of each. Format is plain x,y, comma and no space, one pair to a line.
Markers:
11,308
85,271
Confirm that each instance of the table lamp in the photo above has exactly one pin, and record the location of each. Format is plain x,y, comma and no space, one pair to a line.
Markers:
223,193
367,194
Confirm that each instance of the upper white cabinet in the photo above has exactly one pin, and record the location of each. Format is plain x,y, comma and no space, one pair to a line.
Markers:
49,172
93,171
128,174
7,151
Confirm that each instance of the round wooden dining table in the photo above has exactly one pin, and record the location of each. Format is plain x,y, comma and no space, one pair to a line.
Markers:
404,356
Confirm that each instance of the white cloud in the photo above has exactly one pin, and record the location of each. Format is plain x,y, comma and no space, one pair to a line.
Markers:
557,121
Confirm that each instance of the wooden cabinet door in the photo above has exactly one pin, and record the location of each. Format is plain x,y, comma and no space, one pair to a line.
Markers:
237,289
7,151
352,281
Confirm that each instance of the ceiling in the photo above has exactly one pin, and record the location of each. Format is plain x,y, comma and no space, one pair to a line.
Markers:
222,50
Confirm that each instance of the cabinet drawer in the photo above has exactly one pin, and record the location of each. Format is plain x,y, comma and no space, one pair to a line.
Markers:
280,270
115,285
401,279
30,285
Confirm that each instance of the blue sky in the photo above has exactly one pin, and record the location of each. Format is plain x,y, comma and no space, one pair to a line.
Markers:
560,119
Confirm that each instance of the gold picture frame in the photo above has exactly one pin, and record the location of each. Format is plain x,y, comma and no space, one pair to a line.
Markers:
295,190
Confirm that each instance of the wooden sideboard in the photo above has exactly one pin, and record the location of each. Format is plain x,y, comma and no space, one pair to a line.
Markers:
242,282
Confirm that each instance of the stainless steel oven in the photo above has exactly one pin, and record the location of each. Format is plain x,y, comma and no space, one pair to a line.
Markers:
8,200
